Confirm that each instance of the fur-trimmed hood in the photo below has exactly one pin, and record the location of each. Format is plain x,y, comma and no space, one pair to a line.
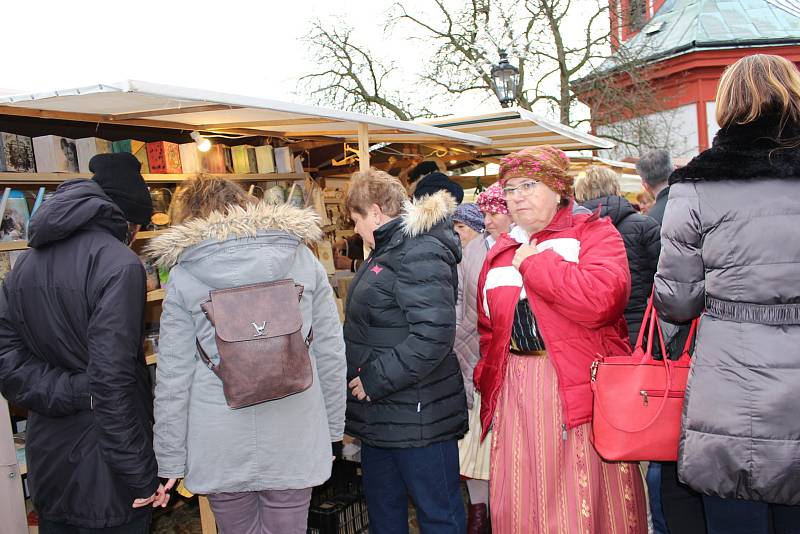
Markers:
304,224
420,215
756,150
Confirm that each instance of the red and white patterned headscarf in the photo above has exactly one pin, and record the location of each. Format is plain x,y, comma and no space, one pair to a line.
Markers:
492,200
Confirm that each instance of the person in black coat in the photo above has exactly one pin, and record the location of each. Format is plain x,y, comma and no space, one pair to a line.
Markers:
407,402
71,321
640,233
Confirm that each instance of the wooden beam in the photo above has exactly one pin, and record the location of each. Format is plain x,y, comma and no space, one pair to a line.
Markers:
363,147
170,111
311,144
277,122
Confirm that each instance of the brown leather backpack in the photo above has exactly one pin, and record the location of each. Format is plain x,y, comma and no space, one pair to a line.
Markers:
263,355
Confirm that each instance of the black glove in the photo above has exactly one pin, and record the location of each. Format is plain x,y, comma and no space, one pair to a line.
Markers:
337,449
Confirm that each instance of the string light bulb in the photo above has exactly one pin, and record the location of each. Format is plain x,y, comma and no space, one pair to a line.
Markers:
203,144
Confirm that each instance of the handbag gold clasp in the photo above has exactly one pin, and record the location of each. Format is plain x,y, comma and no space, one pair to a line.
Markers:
595,365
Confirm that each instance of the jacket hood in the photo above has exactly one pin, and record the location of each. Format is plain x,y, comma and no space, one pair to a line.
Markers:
76,205
763,149
613,206
302,224
432,215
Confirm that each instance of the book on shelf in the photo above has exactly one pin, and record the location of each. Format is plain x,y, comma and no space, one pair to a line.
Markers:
15,217
252,161
241,163
190,158
89,147
16,153
265,159
213,161
54,153
283,159
137,148
164,158
228,157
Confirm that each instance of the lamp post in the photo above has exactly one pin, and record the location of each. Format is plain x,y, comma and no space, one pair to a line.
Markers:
505,81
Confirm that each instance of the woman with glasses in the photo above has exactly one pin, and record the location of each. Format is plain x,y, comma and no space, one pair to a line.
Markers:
551,297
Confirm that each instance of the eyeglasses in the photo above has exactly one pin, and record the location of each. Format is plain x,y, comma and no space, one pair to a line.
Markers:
526,188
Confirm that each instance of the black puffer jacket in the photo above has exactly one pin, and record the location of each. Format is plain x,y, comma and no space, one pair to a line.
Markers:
642,238
71,318
399,332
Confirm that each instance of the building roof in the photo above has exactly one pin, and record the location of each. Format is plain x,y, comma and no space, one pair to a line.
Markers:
682,26
147,104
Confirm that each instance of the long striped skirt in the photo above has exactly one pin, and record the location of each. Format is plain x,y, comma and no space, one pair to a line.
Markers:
541,483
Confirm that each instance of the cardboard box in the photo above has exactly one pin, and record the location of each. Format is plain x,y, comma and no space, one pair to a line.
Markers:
137,148
164,158
55,154
16,153
89,147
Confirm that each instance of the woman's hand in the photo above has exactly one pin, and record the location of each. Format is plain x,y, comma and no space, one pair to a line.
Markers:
358,389
523,253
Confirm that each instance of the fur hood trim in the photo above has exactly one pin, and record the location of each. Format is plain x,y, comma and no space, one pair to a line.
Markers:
304,224
762,149
422,214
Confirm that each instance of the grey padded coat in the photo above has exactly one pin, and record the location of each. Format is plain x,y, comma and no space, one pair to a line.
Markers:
281,444
731,251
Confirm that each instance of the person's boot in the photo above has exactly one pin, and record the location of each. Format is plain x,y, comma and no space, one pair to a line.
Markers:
478,519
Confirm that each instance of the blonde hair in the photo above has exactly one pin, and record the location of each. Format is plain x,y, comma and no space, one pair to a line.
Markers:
198,197
375,187
756,85
598,182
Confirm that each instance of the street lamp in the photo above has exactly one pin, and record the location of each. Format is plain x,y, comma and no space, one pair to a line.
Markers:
505,80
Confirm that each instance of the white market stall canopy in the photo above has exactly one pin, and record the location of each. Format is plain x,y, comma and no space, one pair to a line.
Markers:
511,130
135,103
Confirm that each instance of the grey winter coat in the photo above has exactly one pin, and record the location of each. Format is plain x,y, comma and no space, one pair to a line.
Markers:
282,444
467,343
731,253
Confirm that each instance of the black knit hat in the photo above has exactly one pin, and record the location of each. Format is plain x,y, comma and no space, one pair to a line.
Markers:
422,169
437,181
118,174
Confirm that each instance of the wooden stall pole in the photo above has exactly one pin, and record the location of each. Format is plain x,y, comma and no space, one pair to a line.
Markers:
363,147
207,522
12,501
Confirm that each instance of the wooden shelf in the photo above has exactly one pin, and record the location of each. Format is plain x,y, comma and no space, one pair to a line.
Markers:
13,245
158,294
55,178
22,245
150,359
148,234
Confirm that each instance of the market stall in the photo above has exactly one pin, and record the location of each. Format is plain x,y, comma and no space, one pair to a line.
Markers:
176,133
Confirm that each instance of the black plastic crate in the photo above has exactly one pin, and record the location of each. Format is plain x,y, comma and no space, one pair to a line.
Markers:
338,506
344,514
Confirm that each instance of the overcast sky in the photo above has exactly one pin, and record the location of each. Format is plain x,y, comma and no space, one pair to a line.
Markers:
246,47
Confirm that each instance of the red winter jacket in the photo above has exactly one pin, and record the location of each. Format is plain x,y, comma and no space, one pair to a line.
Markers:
577,288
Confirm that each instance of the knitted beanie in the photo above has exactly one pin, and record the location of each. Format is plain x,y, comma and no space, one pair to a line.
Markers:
470,215
546,164
118,174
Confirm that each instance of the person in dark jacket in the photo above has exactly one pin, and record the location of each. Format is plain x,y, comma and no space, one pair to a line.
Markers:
730,254
71,321
654,168
407,402
599,189
676,508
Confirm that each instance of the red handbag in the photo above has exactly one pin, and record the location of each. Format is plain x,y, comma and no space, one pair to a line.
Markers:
638,400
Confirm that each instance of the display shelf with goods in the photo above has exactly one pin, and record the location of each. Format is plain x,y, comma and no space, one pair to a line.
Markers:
55,178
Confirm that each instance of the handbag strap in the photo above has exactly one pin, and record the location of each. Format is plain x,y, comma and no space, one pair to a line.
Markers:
690,338
204,356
